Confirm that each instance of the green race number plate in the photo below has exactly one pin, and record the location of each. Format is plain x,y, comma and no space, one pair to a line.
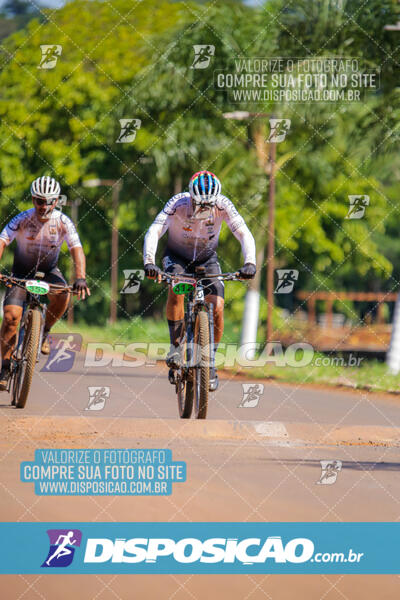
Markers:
183,287
37,287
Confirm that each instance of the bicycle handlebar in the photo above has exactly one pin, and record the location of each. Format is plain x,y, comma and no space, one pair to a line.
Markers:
220,276
11,280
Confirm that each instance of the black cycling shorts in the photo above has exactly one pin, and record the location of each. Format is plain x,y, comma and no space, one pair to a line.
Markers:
17,296
174,263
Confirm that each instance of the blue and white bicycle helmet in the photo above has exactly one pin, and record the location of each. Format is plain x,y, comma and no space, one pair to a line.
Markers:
204,188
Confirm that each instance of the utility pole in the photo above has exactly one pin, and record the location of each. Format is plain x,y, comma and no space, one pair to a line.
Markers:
393,354
114,252
271,240
259,142
116,188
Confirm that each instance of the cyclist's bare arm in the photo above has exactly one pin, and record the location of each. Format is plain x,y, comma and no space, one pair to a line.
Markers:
2,246
79,259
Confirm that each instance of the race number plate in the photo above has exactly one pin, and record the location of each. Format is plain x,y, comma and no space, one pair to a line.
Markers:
184,286
37,287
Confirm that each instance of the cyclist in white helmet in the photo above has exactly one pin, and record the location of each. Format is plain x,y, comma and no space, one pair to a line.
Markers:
193,220
39,234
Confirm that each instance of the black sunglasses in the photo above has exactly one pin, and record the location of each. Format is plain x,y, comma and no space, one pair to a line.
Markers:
43,201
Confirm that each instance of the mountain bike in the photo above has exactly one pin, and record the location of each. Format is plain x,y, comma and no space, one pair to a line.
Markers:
192,378
27,351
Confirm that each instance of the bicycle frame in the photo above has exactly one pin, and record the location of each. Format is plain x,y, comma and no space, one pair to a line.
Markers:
192,376
32,302
195,302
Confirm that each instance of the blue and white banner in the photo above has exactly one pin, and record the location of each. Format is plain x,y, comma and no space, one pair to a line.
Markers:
206,548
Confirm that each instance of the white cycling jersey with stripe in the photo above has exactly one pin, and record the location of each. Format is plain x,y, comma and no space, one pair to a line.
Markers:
39,243
196,238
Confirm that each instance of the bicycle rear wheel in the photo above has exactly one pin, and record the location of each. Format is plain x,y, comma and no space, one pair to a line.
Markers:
26,364
202,368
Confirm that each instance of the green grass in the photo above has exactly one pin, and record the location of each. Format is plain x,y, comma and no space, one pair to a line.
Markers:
136,330
140,330
370,374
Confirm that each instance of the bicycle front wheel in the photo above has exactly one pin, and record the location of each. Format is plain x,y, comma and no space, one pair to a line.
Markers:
184,386
202,368
26,364
184,392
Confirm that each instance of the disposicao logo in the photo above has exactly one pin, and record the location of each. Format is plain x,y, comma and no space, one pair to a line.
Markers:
63,348
62,547
189,550
159,554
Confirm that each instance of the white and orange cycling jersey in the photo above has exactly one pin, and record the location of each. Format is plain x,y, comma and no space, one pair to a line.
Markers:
194,236
38,243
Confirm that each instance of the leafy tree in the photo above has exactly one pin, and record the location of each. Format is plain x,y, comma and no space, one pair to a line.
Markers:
345,149
65,120
123,61
331,152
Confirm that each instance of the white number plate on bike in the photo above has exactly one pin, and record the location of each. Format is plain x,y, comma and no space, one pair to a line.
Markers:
37,287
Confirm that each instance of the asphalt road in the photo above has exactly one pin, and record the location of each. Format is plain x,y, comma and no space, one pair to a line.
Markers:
144,392
244,464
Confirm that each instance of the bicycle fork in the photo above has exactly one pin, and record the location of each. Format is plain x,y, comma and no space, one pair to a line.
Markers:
43,320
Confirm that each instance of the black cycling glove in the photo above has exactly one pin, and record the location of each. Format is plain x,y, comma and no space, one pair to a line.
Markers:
247,271
151,271
80,285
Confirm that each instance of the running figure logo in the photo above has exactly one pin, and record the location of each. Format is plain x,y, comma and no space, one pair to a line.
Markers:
286,280
330,470
279,129
202,56
50,54
129,128
63,348
357,207
62,547
97,397
132,281
251,394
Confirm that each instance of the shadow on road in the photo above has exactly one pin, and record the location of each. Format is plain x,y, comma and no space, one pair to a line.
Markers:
363,465
90,372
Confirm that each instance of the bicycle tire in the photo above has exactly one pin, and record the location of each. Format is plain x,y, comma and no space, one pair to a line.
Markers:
184,389
26,366
185,395
202,370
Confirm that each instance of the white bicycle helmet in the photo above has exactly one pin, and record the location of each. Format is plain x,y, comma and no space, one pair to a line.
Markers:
45,187
204,188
